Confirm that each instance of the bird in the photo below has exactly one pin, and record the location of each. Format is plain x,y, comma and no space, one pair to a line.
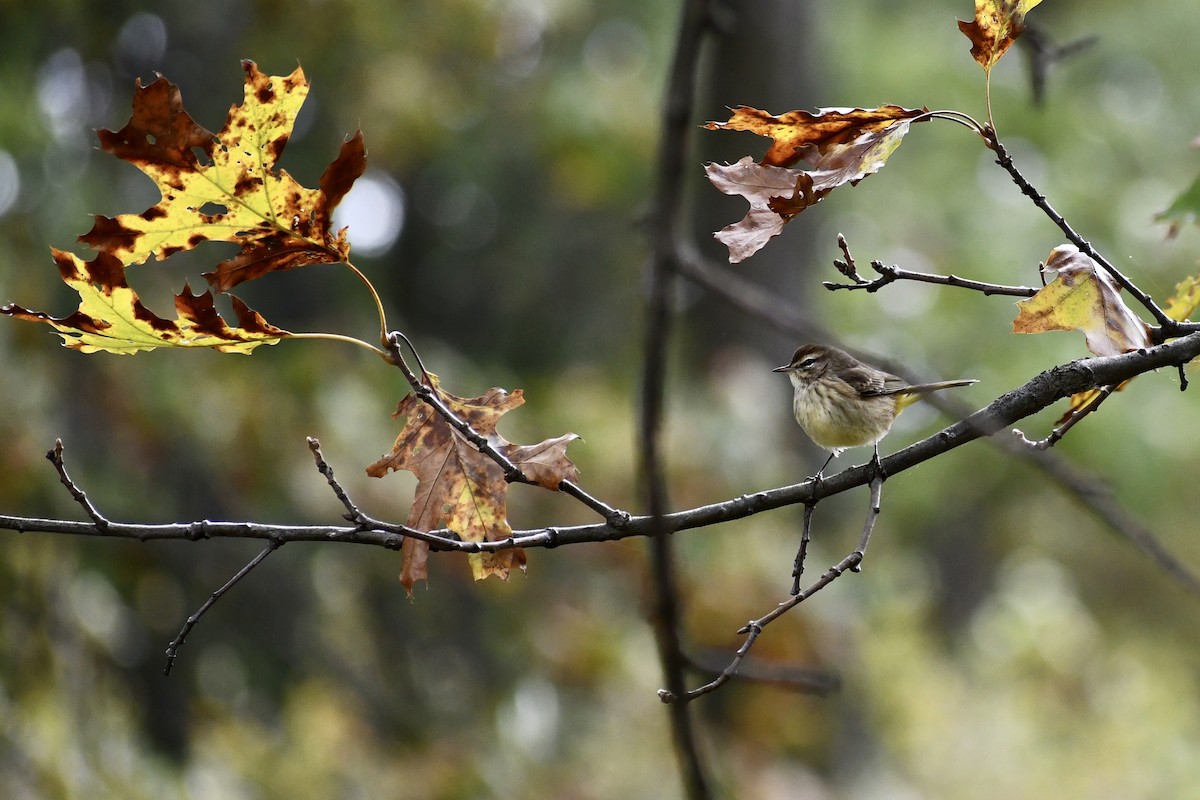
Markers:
840,402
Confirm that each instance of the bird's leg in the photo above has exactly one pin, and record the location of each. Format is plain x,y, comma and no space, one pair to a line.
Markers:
877,465
820,476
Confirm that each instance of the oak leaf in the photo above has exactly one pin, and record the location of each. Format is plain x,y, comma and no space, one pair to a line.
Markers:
996,26
460,488
806,136
1082,297
226,188
839,146
112,318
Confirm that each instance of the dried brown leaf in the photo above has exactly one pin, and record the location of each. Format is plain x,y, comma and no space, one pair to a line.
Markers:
459,487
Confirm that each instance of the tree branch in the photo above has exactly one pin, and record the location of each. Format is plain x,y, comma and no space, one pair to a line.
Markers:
1036,394
672,164
1089,489
1168,325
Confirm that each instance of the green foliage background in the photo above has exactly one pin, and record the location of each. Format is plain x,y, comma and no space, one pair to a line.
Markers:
1000,642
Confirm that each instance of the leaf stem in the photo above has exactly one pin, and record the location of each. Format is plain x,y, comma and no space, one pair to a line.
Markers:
383,326
337,337
987,97
950,115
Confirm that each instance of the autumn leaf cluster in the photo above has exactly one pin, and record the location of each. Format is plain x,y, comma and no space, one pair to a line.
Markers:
213,187
227,187
813,153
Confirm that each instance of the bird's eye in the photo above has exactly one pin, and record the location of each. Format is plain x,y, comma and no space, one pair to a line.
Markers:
808,362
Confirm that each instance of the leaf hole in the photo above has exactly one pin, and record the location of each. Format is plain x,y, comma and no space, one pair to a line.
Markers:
212,209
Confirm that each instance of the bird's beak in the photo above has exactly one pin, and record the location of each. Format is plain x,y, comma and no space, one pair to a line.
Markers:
784,368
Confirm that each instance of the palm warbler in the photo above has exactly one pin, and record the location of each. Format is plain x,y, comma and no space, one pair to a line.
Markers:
841,402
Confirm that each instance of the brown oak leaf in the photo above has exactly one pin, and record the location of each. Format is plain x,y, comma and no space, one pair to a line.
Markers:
839,146
805,136
996,26
459,487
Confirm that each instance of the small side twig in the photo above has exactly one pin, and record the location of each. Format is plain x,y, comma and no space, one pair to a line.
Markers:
353,514
1168,326
512,473
754,628
846,265
177,642
56,458
805,680
891,273
1060,431
802,553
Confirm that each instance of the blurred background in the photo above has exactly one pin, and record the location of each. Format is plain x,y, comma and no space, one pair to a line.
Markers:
1001,641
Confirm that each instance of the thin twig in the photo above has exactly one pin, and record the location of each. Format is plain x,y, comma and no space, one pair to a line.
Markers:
890,273
805,680
754,628
1168,325
177,642
872,515
1060,431
353,514
56,458
802,553
846,265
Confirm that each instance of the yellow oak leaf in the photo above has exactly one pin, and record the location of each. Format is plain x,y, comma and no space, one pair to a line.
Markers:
225,187
1179,307
112,318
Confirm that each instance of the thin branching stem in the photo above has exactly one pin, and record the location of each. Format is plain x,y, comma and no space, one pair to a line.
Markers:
1169,327
1061,430
422,386
177,642
802,552
56,458
890,273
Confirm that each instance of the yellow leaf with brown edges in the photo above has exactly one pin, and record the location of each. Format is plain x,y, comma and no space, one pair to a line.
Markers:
226,187
1082,297
996,26
111,316
459,487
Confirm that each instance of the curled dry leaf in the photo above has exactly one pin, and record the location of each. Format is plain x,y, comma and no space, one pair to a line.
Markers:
459,487
838,146
805,136
996,26
1082,297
